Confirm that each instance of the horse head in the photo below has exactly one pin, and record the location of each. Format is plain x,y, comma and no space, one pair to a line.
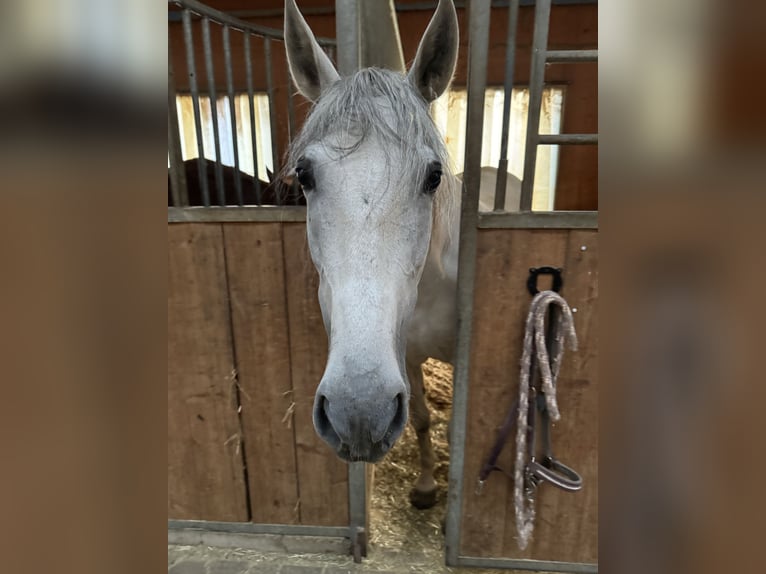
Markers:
370,161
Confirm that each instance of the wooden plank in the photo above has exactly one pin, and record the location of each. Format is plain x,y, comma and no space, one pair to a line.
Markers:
322,476
501,303
205,471
566,528
261,341
567,524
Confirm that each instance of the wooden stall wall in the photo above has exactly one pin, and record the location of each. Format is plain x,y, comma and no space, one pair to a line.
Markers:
246,350
567,523
571,27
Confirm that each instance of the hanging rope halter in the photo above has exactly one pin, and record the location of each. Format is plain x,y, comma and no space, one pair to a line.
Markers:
541,360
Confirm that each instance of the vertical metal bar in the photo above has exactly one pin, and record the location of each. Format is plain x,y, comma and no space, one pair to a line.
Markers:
347,34
272,109
232,111
192,71
251,102
536,80
477,81
357,506
290,107
213,108
510,65
178,187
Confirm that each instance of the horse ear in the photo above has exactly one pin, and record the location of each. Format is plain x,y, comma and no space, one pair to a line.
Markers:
437,54
311,69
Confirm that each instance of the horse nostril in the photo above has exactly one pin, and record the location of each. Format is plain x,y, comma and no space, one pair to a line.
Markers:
400,417
322,420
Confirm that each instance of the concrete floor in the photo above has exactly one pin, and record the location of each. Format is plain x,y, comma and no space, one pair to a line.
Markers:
212,560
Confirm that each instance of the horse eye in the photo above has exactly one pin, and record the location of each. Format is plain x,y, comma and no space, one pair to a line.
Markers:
433,179
305,174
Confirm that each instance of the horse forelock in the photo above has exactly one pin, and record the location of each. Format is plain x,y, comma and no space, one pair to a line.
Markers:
383,104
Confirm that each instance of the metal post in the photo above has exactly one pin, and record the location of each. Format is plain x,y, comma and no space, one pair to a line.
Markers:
347,34
232,112
192,71
212,94
290,107
510,64
477,82
536,81
178,187
272,110
251,103
357,508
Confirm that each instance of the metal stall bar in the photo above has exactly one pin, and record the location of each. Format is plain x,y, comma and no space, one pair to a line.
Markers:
510,64
347,32
212,95
232,19
478,43
253,528
178,189
536,80
571,139
192,71
357,508
347,20
251,104
272,114
565,56
232,111
290,108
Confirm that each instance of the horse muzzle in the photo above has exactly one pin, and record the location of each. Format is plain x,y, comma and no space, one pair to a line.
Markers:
360,426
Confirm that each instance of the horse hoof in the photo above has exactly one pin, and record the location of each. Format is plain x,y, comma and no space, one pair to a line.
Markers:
423,499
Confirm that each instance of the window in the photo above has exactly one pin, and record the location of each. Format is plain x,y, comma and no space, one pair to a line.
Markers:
226,131
449,113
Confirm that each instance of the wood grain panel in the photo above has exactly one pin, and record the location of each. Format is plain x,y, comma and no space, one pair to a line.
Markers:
261,342
566,528
501,302
205,471
323,477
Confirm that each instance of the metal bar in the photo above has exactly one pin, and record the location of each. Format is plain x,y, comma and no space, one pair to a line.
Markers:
536,80
523,564
178,187
562,56
539,220
192,71
251,103
232,21
290,107
347,20
251,528
223,214
572,139
510,64
272,111
357,506
400,7
232,112
478,39
213,96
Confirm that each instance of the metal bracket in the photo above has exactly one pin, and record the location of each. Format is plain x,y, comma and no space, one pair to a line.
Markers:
359,544
558,281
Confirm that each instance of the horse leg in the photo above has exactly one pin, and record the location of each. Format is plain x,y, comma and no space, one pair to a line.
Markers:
423,494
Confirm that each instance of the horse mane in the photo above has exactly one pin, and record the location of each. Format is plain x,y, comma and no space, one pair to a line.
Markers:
361,105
